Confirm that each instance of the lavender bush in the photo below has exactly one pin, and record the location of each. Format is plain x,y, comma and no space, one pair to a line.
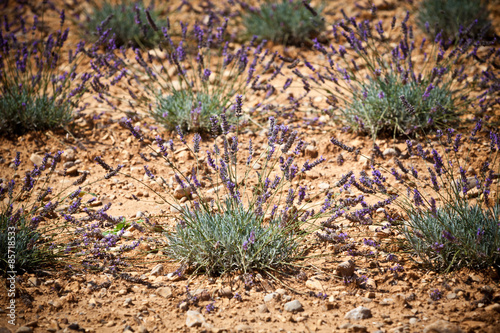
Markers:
451,216
37,91
258,213
286,22
44,225
184,84
366,79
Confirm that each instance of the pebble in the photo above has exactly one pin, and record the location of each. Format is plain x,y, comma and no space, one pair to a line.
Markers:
68,165
184,306
157,270
314,284
256,166
358,313
493,307
451,296
346,269
390,152
68,155
293,306
194,319
164,292
36,159
262,308
355,328
413,321
311,151
180,192
74,326
73,171
272,296
139,214
33,281
387,301
24,329
442,326
324,186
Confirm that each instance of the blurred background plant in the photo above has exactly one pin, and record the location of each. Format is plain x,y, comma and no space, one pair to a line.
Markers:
365,79
185,83
452,17
286,22
126,21
41,85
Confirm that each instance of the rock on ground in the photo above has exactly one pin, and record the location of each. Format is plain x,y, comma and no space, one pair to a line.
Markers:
359,313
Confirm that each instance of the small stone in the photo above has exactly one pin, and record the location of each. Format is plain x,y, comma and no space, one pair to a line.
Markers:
390,152
272,296
371,284
180,192
33,281
387,301
493,307
139,214
346,269
355,328
73,171
164,292
74,326
157,270
96,203
413,321
143,329
345,326
262,308
68,155
442,326
194,319
451,296
36,159
256,166
184,306
226,292
293,306
24,329
314,284
358,313
324,186
311,151
68,165
55,304
370,295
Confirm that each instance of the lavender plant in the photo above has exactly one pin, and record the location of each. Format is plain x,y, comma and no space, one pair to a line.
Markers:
452,206
39,225
126,22
184,84
38,91
286,22
451,17
365,79
256,215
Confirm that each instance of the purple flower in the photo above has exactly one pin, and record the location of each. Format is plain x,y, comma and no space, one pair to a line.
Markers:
381,95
